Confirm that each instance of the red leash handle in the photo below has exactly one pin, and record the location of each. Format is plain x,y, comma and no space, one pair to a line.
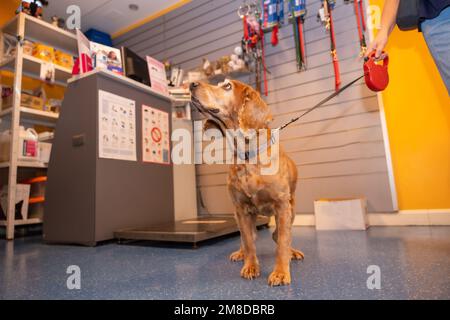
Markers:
337,74
274,39
301,35
246,37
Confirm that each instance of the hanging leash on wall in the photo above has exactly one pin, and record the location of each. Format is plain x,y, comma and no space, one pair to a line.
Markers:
272,18
297,11
325,15
361,24
375,75
253,42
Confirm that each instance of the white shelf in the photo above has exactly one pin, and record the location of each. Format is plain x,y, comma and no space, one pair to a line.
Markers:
22,27
25,164
22,222
32,114
41,31
32,69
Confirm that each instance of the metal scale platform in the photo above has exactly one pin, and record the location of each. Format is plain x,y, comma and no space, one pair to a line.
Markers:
187,231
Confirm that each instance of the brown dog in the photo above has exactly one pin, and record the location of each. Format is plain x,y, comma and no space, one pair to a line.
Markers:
235,105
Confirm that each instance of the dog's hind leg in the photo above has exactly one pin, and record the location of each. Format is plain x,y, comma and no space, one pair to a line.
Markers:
247,226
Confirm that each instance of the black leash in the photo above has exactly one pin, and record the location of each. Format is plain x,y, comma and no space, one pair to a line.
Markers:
334,94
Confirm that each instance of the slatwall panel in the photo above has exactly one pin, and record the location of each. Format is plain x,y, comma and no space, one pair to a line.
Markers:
338,148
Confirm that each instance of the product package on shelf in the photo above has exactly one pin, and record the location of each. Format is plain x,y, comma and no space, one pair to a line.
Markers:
64,60
106,58
44,52
26,100
28,145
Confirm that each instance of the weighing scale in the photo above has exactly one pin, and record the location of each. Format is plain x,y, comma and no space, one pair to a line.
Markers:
187,231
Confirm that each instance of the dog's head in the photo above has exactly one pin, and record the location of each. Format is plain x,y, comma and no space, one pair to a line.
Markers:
231,105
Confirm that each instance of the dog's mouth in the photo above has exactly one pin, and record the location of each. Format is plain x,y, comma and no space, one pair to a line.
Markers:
213,120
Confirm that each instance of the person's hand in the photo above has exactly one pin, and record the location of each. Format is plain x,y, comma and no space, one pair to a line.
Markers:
378,44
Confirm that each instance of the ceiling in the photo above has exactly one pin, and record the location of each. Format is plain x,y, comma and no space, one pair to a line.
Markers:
109,16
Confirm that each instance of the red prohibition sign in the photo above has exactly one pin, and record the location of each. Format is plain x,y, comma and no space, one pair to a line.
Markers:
156,134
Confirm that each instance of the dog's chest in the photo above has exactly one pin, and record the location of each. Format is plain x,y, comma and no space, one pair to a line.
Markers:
250,189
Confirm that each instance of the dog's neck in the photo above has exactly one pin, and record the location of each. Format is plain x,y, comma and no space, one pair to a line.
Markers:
260,144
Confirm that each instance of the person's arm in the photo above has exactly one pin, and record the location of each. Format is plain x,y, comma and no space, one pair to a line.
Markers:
388,19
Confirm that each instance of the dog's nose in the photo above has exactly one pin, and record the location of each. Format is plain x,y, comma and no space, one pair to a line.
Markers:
193,85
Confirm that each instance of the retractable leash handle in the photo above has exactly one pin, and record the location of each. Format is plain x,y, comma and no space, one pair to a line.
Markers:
375,74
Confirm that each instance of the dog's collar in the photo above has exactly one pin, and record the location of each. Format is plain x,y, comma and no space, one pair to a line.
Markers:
250,154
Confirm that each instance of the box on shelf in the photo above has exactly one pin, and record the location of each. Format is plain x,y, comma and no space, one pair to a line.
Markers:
53,105
22,196
29,101
341,214
44,52
45,135
45,148
26,100
106,58
63,59
28,47
28,145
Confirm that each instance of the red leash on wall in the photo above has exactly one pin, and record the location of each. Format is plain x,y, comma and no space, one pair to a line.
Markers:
326,16
361,24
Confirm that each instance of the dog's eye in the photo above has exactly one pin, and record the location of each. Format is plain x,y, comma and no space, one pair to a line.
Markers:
227,86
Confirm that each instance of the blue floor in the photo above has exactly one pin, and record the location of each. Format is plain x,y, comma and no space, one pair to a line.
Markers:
414,264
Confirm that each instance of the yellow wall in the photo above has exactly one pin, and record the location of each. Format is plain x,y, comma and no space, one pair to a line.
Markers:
417,110
7,12
7,9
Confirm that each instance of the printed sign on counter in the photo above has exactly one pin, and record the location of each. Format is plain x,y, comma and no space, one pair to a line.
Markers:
155,135
157,73
116,127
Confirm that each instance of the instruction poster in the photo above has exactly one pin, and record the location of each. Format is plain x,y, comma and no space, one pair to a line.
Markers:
155,135
117,127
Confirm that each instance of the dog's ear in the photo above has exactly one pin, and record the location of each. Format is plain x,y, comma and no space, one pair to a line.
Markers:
254,113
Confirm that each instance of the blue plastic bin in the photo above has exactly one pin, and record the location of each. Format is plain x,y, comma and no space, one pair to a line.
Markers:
99,37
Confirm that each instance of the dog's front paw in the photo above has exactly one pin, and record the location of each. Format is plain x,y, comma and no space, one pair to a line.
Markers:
297,254
250,271
279,278
237,256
